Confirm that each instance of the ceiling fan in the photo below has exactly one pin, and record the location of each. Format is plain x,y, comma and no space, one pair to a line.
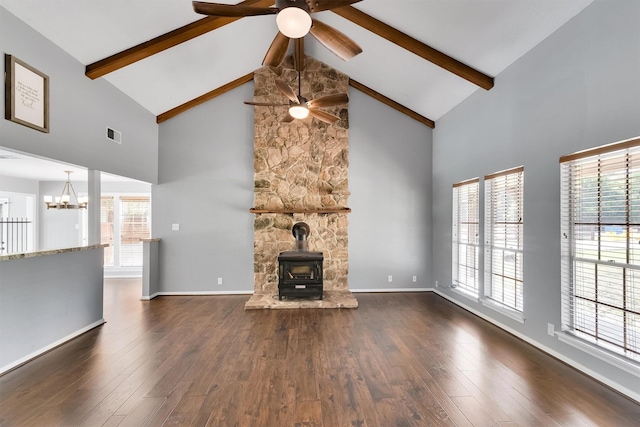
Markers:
294,21
301,108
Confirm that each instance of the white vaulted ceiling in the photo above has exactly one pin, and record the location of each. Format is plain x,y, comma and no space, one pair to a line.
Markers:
487,35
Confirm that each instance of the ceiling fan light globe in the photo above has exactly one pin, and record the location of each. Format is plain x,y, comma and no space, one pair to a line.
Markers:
293,22
298,112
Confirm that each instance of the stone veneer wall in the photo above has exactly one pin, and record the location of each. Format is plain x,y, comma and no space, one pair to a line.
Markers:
300,165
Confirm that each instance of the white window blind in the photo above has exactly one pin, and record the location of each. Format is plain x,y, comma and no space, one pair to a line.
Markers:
465,233
504,215
135,224
601,246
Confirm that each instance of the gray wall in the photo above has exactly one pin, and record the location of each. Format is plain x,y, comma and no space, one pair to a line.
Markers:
80,110
579,88
18,185
206,186
17,204
22,195
390,183
124,187
17,190
58,228
150,270
43,304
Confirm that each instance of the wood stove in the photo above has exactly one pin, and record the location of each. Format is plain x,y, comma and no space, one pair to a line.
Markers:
300,271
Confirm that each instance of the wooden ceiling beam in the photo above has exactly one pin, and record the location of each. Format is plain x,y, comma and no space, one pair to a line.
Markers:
415,46
163,42
204,98
391,103
248,77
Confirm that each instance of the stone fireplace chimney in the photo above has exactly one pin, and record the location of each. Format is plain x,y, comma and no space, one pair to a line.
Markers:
301,175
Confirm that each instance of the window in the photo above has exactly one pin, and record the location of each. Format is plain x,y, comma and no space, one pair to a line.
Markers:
601,247
135,224
504,213
106,228
124,220
465,245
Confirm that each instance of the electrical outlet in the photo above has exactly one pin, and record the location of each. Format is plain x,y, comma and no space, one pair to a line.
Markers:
219,280
436,283
390,279
175,227
551,329
415,279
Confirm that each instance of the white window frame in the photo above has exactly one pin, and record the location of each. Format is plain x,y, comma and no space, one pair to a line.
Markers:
504,213
117,269
610,161
122,255
465,246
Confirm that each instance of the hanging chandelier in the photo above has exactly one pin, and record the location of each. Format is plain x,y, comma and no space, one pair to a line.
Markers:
64,201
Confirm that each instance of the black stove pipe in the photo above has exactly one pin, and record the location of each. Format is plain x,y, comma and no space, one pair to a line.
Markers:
300,231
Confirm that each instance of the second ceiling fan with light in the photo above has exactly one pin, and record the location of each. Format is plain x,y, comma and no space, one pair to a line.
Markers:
300,107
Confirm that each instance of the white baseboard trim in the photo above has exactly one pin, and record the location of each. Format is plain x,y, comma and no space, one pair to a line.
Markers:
50,347
148,297
627,392
606,356
391,290
194,293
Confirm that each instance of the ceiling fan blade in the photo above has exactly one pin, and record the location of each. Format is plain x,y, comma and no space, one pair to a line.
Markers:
329,100
288,118
323,115
287,91
277,51
264,104
334,40
231,10
318,6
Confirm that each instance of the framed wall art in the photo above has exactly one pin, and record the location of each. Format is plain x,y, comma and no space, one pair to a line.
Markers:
26,94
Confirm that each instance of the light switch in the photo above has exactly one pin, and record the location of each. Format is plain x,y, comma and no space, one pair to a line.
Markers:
175,227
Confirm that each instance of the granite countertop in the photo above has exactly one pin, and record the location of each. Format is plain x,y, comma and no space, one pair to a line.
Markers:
153,239
51,252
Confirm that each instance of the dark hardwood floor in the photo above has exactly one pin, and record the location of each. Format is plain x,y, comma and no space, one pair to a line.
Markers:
410,359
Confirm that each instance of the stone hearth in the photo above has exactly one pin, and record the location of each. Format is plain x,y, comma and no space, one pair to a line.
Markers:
332,299
301,175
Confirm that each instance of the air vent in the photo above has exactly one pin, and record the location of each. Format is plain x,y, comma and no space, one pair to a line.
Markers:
114,135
